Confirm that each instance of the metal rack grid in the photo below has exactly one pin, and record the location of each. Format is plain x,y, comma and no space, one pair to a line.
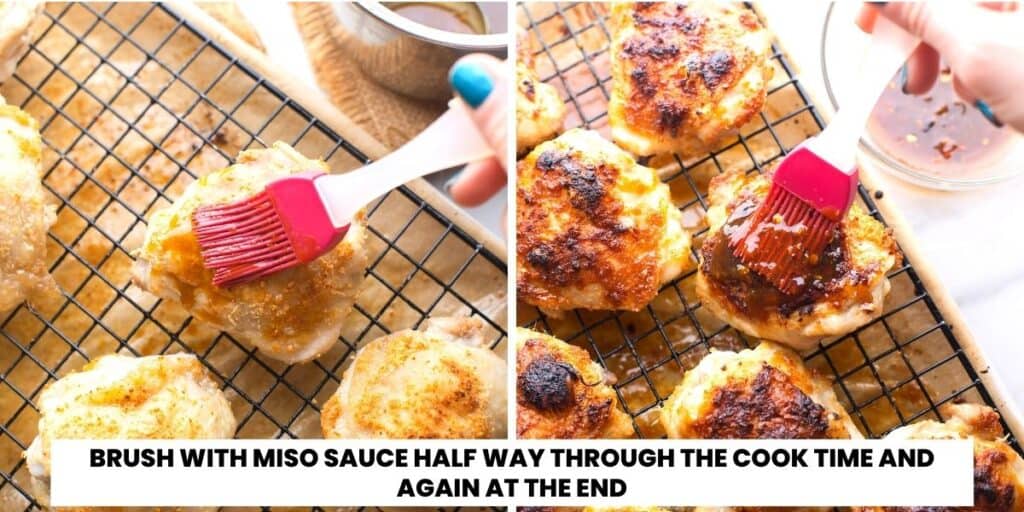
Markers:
893,371
134,103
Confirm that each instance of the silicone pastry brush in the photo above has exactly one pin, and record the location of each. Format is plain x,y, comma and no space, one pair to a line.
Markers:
816,183
296,219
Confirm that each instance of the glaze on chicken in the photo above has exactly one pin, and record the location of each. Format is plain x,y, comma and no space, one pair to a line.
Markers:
846,289
685,75
293,316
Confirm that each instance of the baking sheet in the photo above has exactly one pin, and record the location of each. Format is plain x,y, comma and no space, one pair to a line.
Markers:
134,104
893,371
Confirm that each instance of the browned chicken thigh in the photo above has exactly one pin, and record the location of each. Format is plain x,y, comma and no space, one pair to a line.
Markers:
760,393
562,394
595,229
685,74
998,469
846,290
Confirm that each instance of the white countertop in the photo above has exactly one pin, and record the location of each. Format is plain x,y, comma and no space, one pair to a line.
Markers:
973,240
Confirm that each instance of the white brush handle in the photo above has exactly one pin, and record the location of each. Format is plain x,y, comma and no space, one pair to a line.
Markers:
889,49
451,140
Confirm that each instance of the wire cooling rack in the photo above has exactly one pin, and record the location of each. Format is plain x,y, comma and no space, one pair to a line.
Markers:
893,371
134,103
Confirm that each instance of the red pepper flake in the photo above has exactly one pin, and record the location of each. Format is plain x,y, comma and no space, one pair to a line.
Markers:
946,148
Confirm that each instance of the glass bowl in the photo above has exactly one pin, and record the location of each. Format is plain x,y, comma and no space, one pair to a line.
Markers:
842,43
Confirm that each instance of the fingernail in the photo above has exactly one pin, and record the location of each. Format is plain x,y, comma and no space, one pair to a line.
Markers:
472,83
987,112
451,183
903,79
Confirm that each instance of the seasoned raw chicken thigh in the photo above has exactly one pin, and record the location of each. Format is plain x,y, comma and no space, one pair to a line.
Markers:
763,393
25,215
122,397
294,315
539,110
15,20
846,290
685,74
595,230
562,394
998,469
440,382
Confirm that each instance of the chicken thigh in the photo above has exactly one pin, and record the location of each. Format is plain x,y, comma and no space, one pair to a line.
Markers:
760,393
440,382
539,110
25,214
562,394
847,289
595,230
998,469
15,20
294,315
122,397
685,74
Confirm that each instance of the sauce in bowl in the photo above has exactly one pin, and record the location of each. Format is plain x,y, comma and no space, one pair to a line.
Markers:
937,133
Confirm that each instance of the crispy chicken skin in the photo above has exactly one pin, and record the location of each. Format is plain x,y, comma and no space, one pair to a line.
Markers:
760,393
685,75
562,394
998,469
846,291
25,215
539,110
15,20
595,229
440,382
294,315
123,397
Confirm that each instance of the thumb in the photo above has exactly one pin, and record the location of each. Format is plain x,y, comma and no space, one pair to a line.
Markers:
480,81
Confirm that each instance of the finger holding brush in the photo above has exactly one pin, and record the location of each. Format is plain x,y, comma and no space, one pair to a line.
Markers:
981,43
480,80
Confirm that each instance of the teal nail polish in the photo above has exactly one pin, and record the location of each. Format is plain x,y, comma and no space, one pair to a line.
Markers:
472,83
903,79
987,112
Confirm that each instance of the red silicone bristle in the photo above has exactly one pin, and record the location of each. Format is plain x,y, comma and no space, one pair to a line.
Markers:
781,238
243,241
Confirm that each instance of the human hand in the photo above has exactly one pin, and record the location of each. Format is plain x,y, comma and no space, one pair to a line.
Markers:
481,81
982,44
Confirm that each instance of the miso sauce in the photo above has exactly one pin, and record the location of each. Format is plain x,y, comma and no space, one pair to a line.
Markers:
937,133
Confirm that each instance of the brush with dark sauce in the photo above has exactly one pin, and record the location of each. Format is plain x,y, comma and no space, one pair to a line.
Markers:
749,292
